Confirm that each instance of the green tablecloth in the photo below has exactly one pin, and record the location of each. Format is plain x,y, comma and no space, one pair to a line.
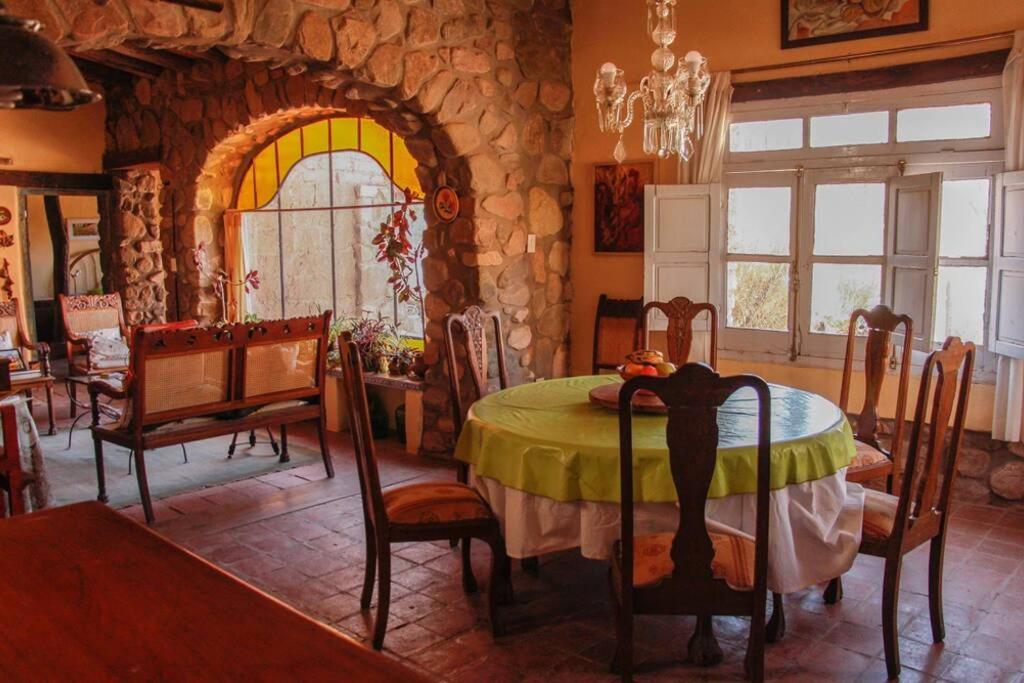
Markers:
547,439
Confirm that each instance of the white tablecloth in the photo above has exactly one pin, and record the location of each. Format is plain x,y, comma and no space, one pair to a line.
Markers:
814,528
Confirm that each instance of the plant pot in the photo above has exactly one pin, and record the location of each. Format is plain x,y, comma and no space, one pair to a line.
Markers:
419,366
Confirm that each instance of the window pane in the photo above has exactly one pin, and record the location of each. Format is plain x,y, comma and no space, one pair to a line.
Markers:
359,180
850,129
839,289
262,253
762,136
759,220
960,303
959,122
759,296
306,244
849,219
964,218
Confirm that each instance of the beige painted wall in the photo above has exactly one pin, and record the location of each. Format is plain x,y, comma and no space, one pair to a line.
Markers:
39,238
732,34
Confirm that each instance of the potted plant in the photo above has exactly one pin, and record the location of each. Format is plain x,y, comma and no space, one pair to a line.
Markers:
222,283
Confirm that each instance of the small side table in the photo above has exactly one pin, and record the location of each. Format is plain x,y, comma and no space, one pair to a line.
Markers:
24,382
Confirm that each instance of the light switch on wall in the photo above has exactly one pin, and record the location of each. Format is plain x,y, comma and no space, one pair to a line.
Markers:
531,243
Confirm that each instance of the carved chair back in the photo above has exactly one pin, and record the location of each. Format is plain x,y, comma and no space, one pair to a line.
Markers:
616,331
472,326
10,322
83,313
681,312
362,435
693,395
923,504
181,373
880,324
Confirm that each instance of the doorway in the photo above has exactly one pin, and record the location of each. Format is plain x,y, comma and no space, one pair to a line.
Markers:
60,234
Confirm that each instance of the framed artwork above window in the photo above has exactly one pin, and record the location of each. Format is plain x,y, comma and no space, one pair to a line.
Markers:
619,206
812,22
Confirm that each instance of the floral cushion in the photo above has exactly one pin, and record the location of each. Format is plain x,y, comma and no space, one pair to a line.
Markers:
879,514
107,349
866,456
733,560
433,502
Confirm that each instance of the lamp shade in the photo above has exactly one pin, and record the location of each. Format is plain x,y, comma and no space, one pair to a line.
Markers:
34,72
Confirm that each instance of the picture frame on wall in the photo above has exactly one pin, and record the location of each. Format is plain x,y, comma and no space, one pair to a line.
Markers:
813,22
83,228
619,206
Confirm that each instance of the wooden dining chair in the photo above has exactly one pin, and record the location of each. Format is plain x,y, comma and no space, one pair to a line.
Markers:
895,525
681,312
872,461
695,570
426,511
13,479
471,337
616,331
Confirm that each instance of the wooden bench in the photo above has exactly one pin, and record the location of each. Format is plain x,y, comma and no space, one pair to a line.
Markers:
194,384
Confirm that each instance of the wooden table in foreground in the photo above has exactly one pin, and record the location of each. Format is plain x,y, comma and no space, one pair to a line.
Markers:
88,594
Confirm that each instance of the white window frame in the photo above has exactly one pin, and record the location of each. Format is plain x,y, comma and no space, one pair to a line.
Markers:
957,159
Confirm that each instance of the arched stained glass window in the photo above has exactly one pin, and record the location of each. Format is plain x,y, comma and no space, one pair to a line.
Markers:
310,204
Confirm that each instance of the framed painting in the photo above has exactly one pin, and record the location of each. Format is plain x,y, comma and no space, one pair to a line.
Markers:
812,22
619,206
83,228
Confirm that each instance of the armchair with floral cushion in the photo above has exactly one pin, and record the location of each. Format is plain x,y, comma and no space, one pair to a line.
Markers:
14,336
96,335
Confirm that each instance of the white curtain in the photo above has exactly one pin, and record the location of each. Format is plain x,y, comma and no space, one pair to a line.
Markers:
705,166
1008,415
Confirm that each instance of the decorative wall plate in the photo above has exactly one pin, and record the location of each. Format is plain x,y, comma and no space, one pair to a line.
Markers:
446,203
5,215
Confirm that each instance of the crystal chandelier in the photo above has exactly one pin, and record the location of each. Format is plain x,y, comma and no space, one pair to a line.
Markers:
673,103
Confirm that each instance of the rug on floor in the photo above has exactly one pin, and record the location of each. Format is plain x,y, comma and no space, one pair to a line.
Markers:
72,472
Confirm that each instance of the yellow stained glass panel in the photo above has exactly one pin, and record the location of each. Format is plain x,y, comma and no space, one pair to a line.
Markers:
289,152
265,166
315,135
377,143
405,170
344,134
246,193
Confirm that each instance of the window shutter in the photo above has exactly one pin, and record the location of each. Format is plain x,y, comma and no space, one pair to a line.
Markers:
912,250
681,233
1006,309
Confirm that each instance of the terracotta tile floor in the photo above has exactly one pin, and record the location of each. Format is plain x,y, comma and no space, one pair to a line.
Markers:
300,538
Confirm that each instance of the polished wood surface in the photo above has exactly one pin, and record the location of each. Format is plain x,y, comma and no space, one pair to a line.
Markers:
144,609
681,313
382,531
13,479
880,324
693,396
922,512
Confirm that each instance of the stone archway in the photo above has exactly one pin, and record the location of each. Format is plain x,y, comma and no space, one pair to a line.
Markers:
479,90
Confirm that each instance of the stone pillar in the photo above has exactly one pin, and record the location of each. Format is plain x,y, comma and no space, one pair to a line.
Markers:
133,248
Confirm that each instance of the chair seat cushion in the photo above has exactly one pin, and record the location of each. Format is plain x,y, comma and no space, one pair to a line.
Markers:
866,456
434,502
733,560
879,514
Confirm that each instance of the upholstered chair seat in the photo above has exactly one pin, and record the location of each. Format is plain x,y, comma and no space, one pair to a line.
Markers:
733,562
434,502
879,514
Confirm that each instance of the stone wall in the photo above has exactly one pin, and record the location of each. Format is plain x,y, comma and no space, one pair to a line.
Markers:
131,247
480,90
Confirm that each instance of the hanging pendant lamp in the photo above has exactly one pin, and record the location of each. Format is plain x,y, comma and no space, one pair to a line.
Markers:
34,72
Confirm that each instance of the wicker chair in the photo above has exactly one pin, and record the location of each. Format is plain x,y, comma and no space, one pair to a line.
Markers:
80,315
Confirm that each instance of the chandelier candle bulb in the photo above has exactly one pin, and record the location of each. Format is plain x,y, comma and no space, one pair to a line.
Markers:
672,102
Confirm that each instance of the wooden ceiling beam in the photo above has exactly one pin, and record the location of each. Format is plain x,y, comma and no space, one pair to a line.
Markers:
158,58
100,73
120,62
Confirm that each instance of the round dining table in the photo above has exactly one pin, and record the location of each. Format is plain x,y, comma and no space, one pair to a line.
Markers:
546,460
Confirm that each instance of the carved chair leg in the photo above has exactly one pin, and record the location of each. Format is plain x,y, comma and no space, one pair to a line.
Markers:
325,451
380,627
468,580
140,474
890,614
834,591
234,444
371,568
622,659
101,476
49,409
754,661
499,588
935,558
703,648
284,444
776,627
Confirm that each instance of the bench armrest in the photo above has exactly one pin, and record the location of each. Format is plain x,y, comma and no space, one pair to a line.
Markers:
99,387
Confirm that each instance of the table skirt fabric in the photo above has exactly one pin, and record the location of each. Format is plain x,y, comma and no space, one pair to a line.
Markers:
814,529
37,495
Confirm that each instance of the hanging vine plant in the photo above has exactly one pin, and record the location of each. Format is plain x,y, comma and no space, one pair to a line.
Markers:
402,257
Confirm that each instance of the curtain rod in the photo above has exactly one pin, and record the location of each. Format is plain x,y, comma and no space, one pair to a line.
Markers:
876,53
